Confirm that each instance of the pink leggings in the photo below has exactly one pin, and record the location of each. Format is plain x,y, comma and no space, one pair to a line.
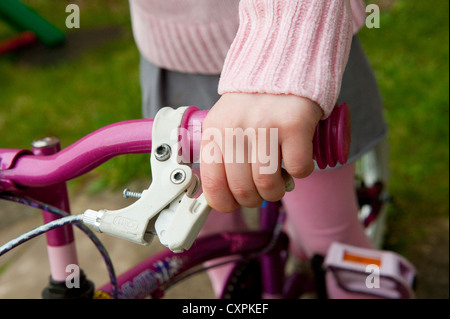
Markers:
321,209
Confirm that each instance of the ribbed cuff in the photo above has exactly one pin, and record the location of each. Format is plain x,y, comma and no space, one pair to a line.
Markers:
290,47
188,41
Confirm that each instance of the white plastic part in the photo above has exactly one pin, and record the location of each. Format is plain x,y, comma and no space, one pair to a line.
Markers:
178,226
166,203
379,273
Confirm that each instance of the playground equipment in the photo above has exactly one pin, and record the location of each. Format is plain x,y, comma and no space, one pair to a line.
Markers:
32,28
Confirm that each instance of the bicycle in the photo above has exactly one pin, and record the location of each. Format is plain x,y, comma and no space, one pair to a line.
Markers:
167,209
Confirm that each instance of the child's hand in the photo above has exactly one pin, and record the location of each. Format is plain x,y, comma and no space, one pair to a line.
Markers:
227,181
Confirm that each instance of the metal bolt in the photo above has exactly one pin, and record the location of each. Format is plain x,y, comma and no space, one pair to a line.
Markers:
45,146
177,176
162,152
45,142
129,194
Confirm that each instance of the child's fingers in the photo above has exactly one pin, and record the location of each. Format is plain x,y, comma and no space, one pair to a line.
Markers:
297,153
240,181
266,169
215,185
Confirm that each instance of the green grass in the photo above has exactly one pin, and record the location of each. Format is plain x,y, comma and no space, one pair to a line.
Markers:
409,53
78,95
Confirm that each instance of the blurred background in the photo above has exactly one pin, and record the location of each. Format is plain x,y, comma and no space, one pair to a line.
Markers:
92,80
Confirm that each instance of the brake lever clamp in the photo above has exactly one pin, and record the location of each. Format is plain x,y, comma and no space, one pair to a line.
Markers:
167,208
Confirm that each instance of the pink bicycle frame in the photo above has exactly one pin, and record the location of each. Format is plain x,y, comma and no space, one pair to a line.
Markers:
42,172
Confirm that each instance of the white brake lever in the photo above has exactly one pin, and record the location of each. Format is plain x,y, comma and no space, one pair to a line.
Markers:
166,207
179,224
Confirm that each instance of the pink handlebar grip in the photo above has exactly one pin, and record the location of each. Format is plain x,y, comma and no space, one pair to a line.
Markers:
332,138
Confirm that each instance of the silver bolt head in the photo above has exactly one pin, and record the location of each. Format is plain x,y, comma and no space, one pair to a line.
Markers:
178,176
162,152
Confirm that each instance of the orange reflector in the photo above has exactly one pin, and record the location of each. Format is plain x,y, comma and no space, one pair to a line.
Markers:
361,259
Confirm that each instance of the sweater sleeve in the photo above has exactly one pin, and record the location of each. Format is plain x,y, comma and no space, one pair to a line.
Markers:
297,47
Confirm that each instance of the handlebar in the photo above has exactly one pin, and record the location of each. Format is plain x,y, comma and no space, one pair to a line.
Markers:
21,168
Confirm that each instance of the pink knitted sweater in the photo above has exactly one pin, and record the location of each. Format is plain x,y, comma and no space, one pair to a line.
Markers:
297,47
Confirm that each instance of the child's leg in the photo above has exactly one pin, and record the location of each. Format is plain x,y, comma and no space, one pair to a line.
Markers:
216,223
322,209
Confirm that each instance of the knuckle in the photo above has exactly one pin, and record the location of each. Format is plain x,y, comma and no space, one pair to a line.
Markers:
246,196
241,192
269,188
265,182
212,186
292,123
217,195
300,170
